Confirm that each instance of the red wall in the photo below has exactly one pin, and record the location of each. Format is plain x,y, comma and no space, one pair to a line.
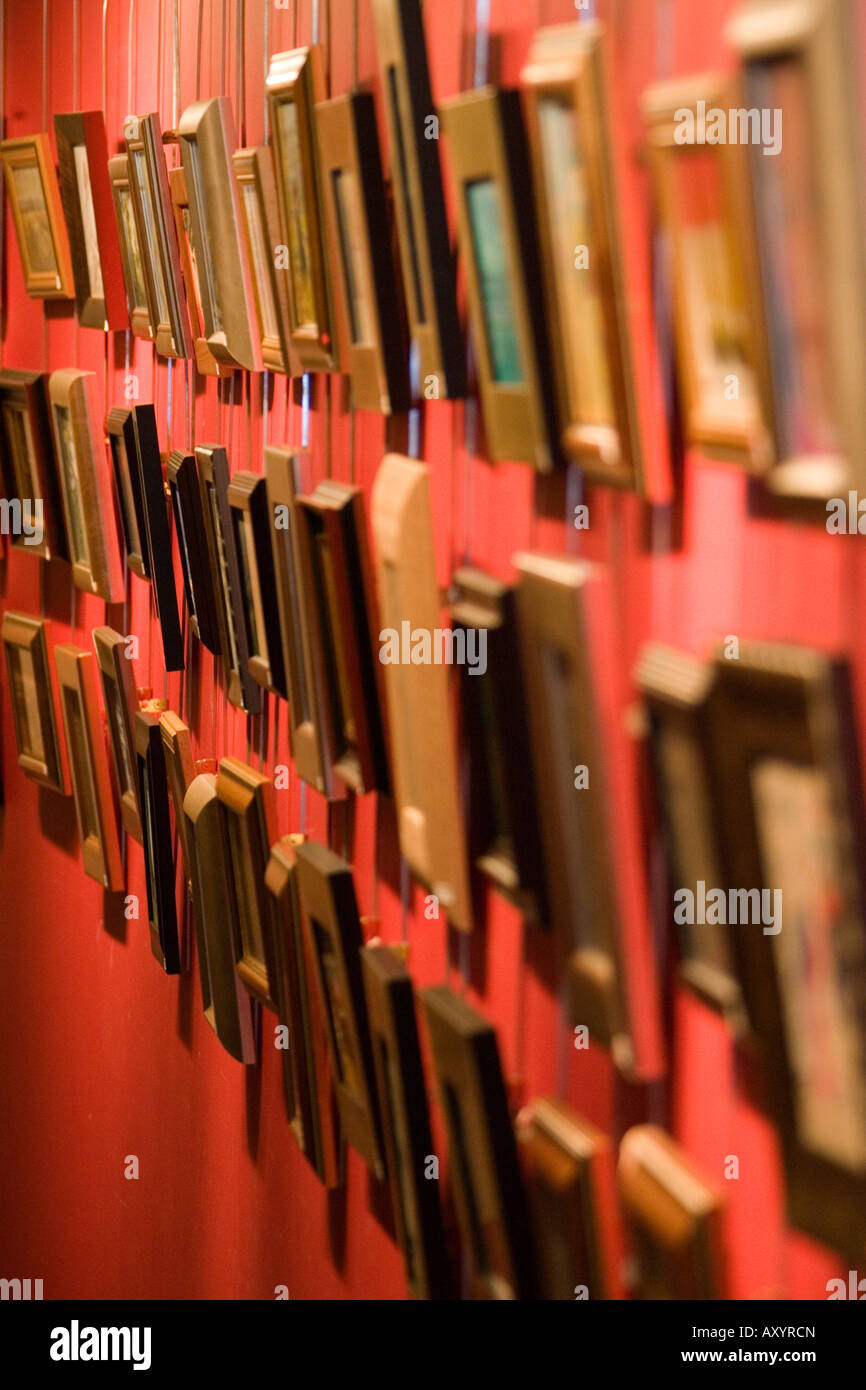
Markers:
103,1056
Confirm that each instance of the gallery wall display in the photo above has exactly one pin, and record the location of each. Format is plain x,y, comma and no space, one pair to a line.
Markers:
37,213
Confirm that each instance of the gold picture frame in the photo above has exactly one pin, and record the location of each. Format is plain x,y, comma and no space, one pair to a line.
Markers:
85,487
37,213
88,766
25,643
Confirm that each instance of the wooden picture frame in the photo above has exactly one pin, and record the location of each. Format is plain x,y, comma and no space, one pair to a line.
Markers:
568,1173
248,799
31,697
484,1172
251,525
161,562
407,1138
131,259
327,897
257,192
502,820
179,772
416,179
157,238
295,85
805,210
423,752
85,191
589,836
370,316
123,447
28,463
121,708
281,473
79,449
205,362
159,862
206,137
341,603
34,196
213,475
499,250
674,1216
788,786
186,499
88,766
566,111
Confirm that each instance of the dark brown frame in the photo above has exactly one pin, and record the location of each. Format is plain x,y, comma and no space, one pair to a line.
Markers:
98,569
26,394
250,516
157,237
88,766
121,707
35,151
213,476
20,632
131,259
247,797
201,600
156,840
254,170
86,130
120,429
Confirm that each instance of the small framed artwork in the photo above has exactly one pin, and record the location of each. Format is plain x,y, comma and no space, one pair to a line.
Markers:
247,797
157,239
213,476
179,771
131,259
281,473
186,499
423,751
228,1006
205,362
84,485
161,564
85,190
34,197
499,249
156,838
120,428
344,636
327,897
566,114
251,525
257,190
370,317
806,219
590,837
787,784
308,1088
484,1171
28,464
32,699
676,692
674,1217
295,86
206,136
416,178
568,1172
503,800
88,766
405,1122
121,708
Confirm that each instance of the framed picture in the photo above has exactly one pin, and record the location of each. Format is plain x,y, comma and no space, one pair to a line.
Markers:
121,708
327,898
568,1172
226,580
247,797
416,179
423,752
566,113
806,218
676,693
161,563
205,362
251,525
206,136
405,1122
499,249
179,772
88,766
120,429
483,1169
590,838
295,85
85,190
34,197
308,1085
257,190
32,699
281,473
228,1006
84,485
202,600
787,784
131,259
157,239
344,636
370,317
28,464
502,820
674,1218
158,853
700,190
